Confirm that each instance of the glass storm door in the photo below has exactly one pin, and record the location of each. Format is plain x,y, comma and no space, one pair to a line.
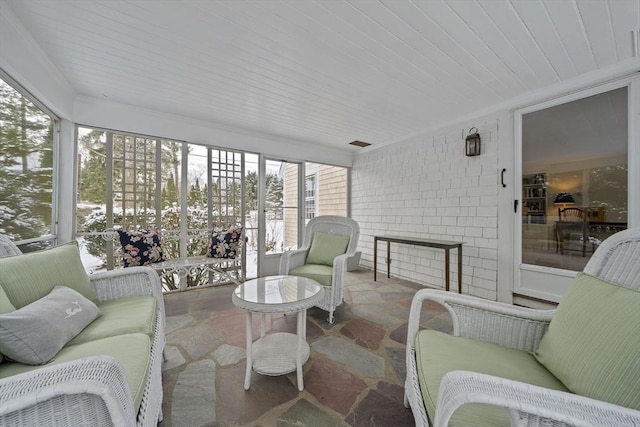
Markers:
574,186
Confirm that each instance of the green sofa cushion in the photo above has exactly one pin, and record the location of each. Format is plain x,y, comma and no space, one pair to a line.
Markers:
438,353
325,247
125,315
320,273
593,343
29,277
132,350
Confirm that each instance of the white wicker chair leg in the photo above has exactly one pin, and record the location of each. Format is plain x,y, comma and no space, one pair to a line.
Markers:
331,318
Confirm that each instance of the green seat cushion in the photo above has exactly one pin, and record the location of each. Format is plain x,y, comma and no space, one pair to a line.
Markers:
125,315
593,341
29,277
320,273
438,353
132,350
325,247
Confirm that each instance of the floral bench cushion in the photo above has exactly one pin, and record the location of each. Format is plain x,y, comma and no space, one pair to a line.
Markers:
140,247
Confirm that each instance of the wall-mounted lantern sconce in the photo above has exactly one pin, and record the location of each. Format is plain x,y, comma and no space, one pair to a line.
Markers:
473,143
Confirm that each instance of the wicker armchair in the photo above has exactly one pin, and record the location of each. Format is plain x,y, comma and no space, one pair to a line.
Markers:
615,260
296,262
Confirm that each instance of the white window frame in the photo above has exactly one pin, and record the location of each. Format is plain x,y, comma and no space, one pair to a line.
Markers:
55,174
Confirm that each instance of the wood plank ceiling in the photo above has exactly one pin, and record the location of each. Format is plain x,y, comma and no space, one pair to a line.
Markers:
326,72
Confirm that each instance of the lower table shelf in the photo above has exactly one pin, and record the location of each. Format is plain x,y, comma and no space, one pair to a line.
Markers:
277,354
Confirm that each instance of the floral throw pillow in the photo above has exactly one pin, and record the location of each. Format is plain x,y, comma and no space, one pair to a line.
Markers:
140,247
225,242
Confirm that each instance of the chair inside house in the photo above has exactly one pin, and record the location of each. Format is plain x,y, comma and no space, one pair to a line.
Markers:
329,242
572,230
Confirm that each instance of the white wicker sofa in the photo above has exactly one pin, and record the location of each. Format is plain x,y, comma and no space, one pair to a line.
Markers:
107,375
578,365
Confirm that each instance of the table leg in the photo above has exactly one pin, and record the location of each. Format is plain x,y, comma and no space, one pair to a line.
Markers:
388,259
375,258
446,269
247,375
460,269
301,330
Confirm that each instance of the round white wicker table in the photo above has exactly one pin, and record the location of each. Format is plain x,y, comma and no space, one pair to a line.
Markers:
281,352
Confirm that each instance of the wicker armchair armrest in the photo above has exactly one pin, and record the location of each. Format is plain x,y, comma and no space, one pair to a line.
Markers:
503,324
127,282
91,391
292,259
527,404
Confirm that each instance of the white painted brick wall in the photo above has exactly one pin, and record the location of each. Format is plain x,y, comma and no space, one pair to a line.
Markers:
426,187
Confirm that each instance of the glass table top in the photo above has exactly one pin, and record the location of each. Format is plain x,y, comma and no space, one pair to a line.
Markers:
277,290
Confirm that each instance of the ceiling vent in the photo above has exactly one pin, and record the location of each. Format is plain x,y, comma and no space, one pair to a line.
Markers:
360,143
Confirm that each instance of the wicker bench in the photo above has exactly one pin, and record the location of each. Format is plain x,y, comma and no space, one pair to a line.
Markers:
219,270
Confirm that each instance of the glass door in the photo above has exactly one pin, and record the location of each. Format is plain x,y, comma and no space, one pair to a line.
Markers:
574,186
280,228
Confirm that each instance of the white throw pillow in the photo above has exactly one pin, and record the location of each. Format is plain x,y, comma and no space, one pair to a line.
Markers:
35,333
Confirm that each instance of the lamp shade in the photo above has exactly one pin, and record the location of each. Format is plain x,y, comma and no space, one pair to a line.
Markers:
564,198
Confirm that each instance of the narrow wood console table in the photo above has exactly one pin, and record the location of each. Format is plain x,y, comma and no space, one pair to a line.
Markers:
447,245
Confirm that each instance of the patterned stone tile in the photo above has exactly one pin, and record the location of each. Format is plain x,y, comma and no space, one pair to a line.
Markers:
232,325
173,358
197,340
405,302
228,355
442,323
207,333
237,406
376,313
397,356
366,297
383,406
304,413
194,396
354,357
177,322
364,333
399,334
332,385
341,315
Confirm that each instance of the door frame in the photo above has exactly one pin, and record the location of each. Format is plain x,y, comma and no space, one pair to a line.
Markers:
268,264
554,282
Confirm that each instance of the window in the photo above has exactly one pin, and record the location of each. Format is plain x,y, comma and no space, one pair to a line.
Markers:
133,181
329,190
310,197
26,168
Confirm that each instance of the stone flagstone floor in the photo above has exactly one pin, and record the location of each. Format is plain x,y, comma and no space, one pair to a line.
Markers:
354,376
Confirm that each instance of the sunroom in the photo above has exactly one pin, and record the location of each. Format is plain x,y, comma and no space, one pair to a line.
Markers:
192,117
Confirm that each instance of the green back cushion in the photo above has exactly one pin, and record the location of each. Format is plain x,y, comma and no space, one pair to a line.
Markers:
325,247
124,315
29,277
593,344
